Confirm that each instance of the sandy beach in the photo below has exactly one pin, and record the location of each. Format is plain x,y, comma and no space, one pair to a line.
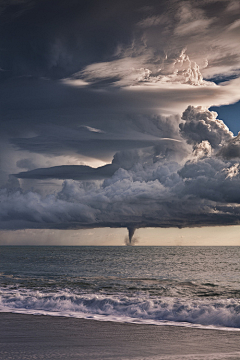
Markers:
25,337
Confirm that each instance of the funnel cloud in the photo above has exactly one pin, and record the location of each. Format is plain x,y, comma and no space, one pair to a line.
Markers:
129,240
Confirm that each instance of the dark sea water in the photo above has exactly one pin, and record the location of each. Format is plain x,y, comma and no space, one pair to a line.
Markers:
181,286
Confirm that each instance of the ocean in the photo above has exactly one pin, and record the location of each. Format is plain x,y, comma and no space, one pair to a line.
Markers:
196,287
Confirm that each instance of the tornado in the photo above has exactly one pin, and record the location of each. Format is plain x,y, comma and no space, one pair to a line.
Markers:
131,231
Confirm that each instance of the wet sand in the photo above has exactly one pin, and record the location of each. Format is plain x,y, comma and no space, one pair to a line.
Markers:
25,337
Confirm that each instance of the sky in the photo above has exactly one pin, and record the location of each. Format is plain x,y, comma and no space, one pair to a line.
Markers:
119,115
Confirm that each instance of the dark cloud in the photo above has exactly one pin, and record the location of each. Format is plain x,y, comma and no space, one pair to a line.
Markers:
75,172
31,107
155,194
55,38
212,179
201,124
103,80
164,149
141,188
100,148
25,164
231,150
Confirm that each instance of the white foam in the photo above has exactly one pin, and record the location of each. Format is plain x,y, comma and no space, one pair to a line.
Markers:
205,313
214,356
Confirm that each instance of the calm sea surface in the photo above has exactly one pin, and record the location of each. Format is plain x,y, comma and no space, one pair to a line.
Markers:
188,286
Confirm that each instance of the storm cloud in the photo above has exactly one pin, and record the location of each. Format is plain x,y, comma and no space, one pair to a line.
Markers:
146,187
56,38
201,124
108,103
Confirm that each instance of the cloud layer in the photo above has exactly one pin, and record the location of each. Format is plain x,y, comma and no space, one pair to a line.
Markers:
153,186
57,38
111,116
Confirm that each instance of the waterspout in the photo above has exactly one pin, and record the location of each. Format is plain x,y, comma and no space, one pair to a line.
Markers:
131,231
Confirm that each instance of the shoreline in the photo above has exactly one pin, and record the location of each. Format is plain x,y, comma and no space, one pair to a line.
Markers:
103,318
25,337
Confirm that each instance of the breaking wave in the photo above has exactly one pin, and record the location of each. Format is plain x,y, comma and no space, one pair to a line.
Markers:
210,313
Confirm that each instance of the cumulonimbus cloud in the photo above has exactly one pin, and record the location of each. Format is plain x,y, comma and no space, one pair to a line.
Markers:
148,187
116,96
